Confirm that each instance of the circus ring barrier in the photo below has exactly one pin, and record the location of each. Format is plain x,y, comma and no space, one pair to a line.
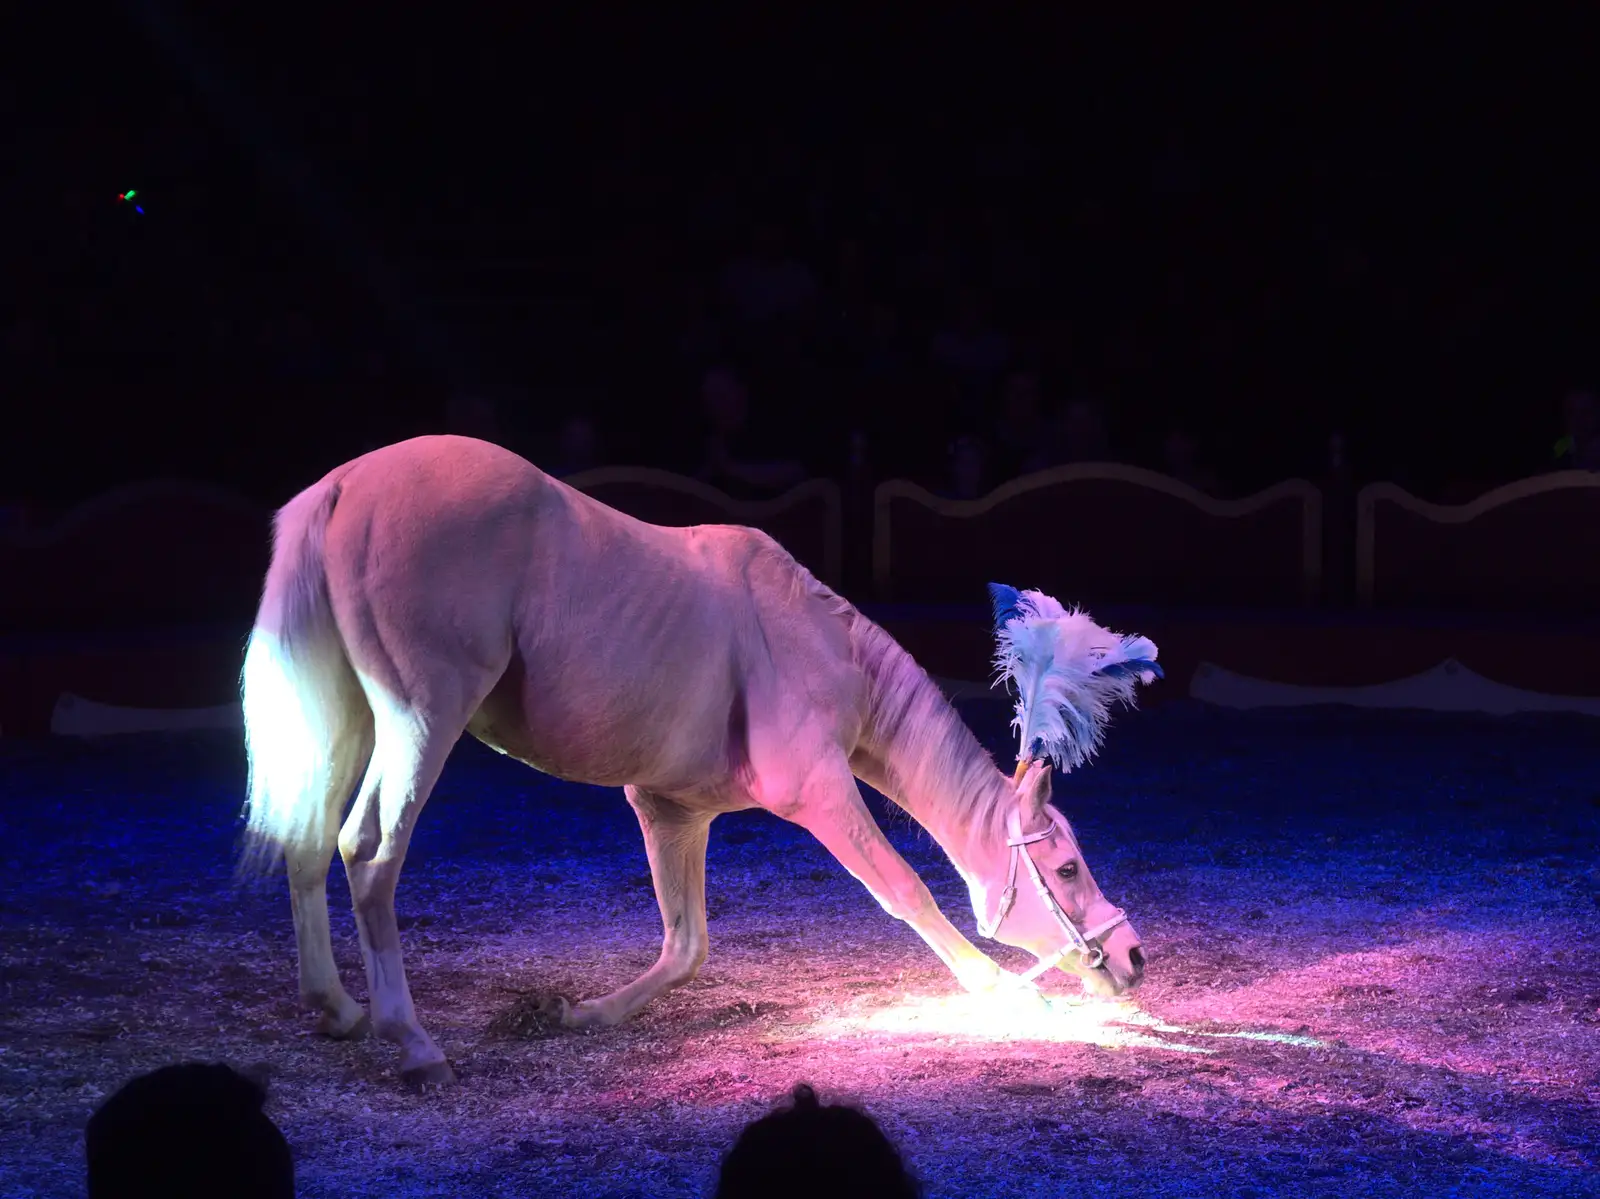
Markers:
1464,608
1118,533
138,598
1530,546
130,612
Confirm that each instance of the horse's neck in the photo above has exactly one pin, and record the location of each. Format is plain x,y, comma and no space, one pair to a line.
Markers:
930,763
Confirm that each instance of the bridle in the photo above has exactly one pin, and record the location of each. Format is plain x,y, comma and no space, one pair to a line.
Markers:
1085,943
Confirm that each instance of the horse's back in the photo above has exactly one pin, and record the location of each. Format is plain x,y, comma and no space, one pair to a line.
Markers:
612,650
442,478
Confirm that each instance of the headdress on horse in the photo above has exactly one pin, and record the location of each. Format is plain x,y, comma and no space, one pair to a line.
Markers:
1066,673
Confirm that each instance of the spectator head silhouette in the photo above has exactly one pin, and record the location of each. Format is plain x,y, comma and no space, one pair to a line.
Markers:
187,1131
1338,457
1080,433
820,1151
1021,406
725,400
968,468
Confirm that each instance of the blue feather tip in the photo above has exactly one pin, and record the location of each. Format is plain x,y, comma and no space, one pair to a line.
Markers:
1118,670
1007,603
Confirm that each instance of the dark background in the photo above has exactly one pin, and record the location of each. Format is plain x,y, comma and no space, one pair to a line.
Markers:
1263,230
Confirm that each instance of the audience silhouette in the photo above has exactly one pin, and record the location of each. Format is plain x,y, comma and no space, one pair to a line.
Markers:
187,1131
808,1148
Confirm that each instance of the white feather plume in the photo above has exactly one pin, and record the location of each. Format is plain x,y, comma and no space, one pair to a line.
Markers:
1067,673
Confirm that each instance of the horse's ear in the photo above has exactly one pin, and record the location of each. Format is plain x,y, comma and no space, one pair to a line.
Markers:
1034,790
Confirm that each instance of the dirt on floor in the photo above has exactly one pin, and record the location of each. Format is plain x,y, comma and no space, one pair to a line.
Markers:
1374,970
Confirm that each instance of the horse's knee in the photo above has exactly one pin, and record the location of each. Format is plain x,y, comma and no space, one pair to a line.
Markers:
682,958
359,845
373,874
909,904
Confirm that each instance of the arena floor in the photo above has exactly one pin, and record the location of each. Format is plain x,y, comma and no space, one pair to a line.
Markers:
1374,949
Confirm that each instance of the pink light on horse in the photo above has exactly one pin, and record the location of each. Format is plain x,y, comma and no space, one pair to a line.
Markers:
444,585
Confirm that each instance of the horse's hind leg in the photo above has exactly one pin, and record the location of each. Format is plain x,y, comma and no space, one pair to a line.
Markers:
409,751
320,988
675,842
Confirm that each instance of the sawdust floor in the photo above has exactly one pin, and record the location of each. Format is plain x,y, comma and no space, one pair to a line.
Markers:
1374,944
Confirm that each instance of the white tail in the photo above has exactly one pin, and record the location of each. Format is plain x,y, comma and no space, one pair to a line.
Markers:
306,722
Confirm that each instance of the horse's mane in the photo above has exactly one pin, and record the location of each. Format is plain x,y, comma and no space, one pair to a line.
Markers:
929,755
926,749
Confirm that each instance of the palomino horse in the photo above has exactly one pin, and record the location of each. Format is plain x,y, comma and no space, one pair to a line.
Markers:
444,584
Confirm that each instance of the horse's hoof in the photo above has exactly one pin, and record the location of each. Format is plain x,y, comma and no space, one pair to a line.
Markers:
1011,990
983,980
1022,999
578,1016
560,1010
329,1026
428,1077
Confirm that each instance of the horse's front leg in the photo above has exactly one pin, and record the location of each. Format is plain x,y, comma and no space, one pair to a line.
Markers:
675,841
829,806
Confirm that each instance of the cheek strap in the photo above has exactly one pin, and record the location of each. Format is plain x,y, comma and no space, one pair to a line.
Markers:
1083,943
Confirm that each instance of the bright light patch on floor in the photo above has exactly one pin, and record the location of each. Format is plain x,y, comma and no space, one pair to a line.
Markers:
1107,1023
973,1017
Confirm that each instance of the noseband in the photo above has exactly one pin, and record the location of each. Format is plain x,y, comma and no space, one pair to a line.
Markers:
1085,943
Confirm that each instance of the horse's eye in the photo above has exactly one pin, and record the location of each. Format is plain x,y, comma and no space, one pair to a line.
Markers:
1068,872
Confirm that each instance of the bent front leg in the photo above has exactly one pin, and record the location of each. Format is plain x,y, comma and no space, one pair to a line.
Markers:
831,809
675,842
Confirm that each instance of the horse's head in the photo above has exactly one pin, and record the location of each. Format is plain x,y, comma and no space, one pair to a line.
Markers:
1033,889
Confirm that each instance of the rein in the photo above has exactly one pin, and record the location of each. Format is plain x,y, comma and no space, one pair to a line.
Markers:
1084,943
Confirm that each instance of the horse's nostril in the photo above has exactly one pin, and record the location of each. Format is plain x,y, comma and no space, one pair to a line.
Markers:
1136,959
